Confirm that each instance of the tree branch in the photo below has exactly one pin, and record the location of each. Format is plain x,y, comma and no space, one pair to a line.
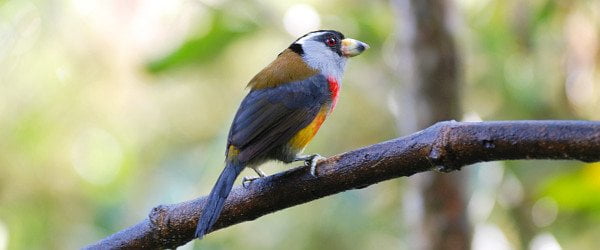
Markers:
446,146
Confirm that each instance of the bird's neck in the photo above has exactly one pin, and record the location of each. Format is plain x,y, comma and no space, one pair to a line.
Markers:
328,65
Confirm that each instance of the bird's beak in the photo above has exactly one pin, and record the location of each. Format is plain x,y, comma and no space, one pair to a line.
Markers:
352,47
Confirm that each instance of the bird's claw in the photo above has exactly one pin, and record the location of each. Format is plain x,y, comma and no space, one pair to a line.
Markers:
247,180
312,162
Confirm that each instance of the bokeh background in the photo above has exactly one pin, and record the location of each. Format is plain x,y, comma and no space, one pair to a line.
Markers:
109,108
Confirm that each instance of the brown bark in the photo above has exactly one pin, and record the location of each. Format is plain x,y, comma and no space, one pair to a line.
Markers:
446,146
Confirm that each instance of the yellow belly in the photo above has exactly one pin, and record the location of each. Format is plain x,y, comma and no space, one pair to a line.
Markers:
304,136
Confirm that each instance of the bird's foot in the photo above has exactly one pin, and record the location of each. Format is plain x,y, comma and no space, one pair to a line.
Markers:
312,161
247,180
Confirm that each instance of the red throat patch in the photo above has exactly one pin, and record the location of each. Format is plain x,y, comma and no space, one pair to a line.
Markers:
334,88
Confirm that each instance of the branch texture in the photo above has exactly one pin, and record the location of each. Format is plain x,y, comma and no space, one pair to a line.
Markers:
445,146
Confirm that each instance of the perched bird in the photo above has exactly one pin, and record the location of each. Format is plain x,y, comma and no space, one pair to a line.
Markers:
287,103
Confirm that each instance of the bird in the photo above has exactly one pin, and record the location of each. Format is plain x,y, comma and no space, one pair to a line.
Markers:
287,103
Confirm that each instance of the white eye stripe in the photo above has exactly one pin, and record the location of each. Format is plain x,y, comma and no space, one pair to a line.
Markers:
309,37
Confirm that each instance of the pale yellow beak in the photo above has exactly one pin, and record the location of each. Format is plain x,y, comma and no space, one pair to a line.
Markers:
352,47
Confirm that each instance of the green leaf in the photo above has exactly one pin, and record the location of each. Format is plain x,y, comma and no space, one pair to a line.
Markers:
199,49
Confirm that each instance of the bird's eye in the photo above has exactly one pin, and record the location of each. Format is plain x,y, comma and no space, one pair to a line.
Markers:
331,41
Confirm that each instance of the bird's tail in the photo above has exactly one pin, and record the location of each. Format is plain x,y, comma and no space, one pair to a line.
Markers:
216,199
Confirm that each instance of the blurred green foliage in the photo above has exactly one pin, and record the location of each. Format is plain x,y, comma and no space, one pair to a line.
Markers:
91,139
204,48
577,191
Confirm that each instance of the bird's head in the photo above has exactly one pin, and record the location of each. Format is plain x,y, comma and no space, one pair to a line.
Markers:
327,50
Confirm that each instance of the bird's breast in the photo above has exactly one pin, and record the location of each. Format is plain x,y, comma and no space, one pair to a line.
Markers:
305,135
